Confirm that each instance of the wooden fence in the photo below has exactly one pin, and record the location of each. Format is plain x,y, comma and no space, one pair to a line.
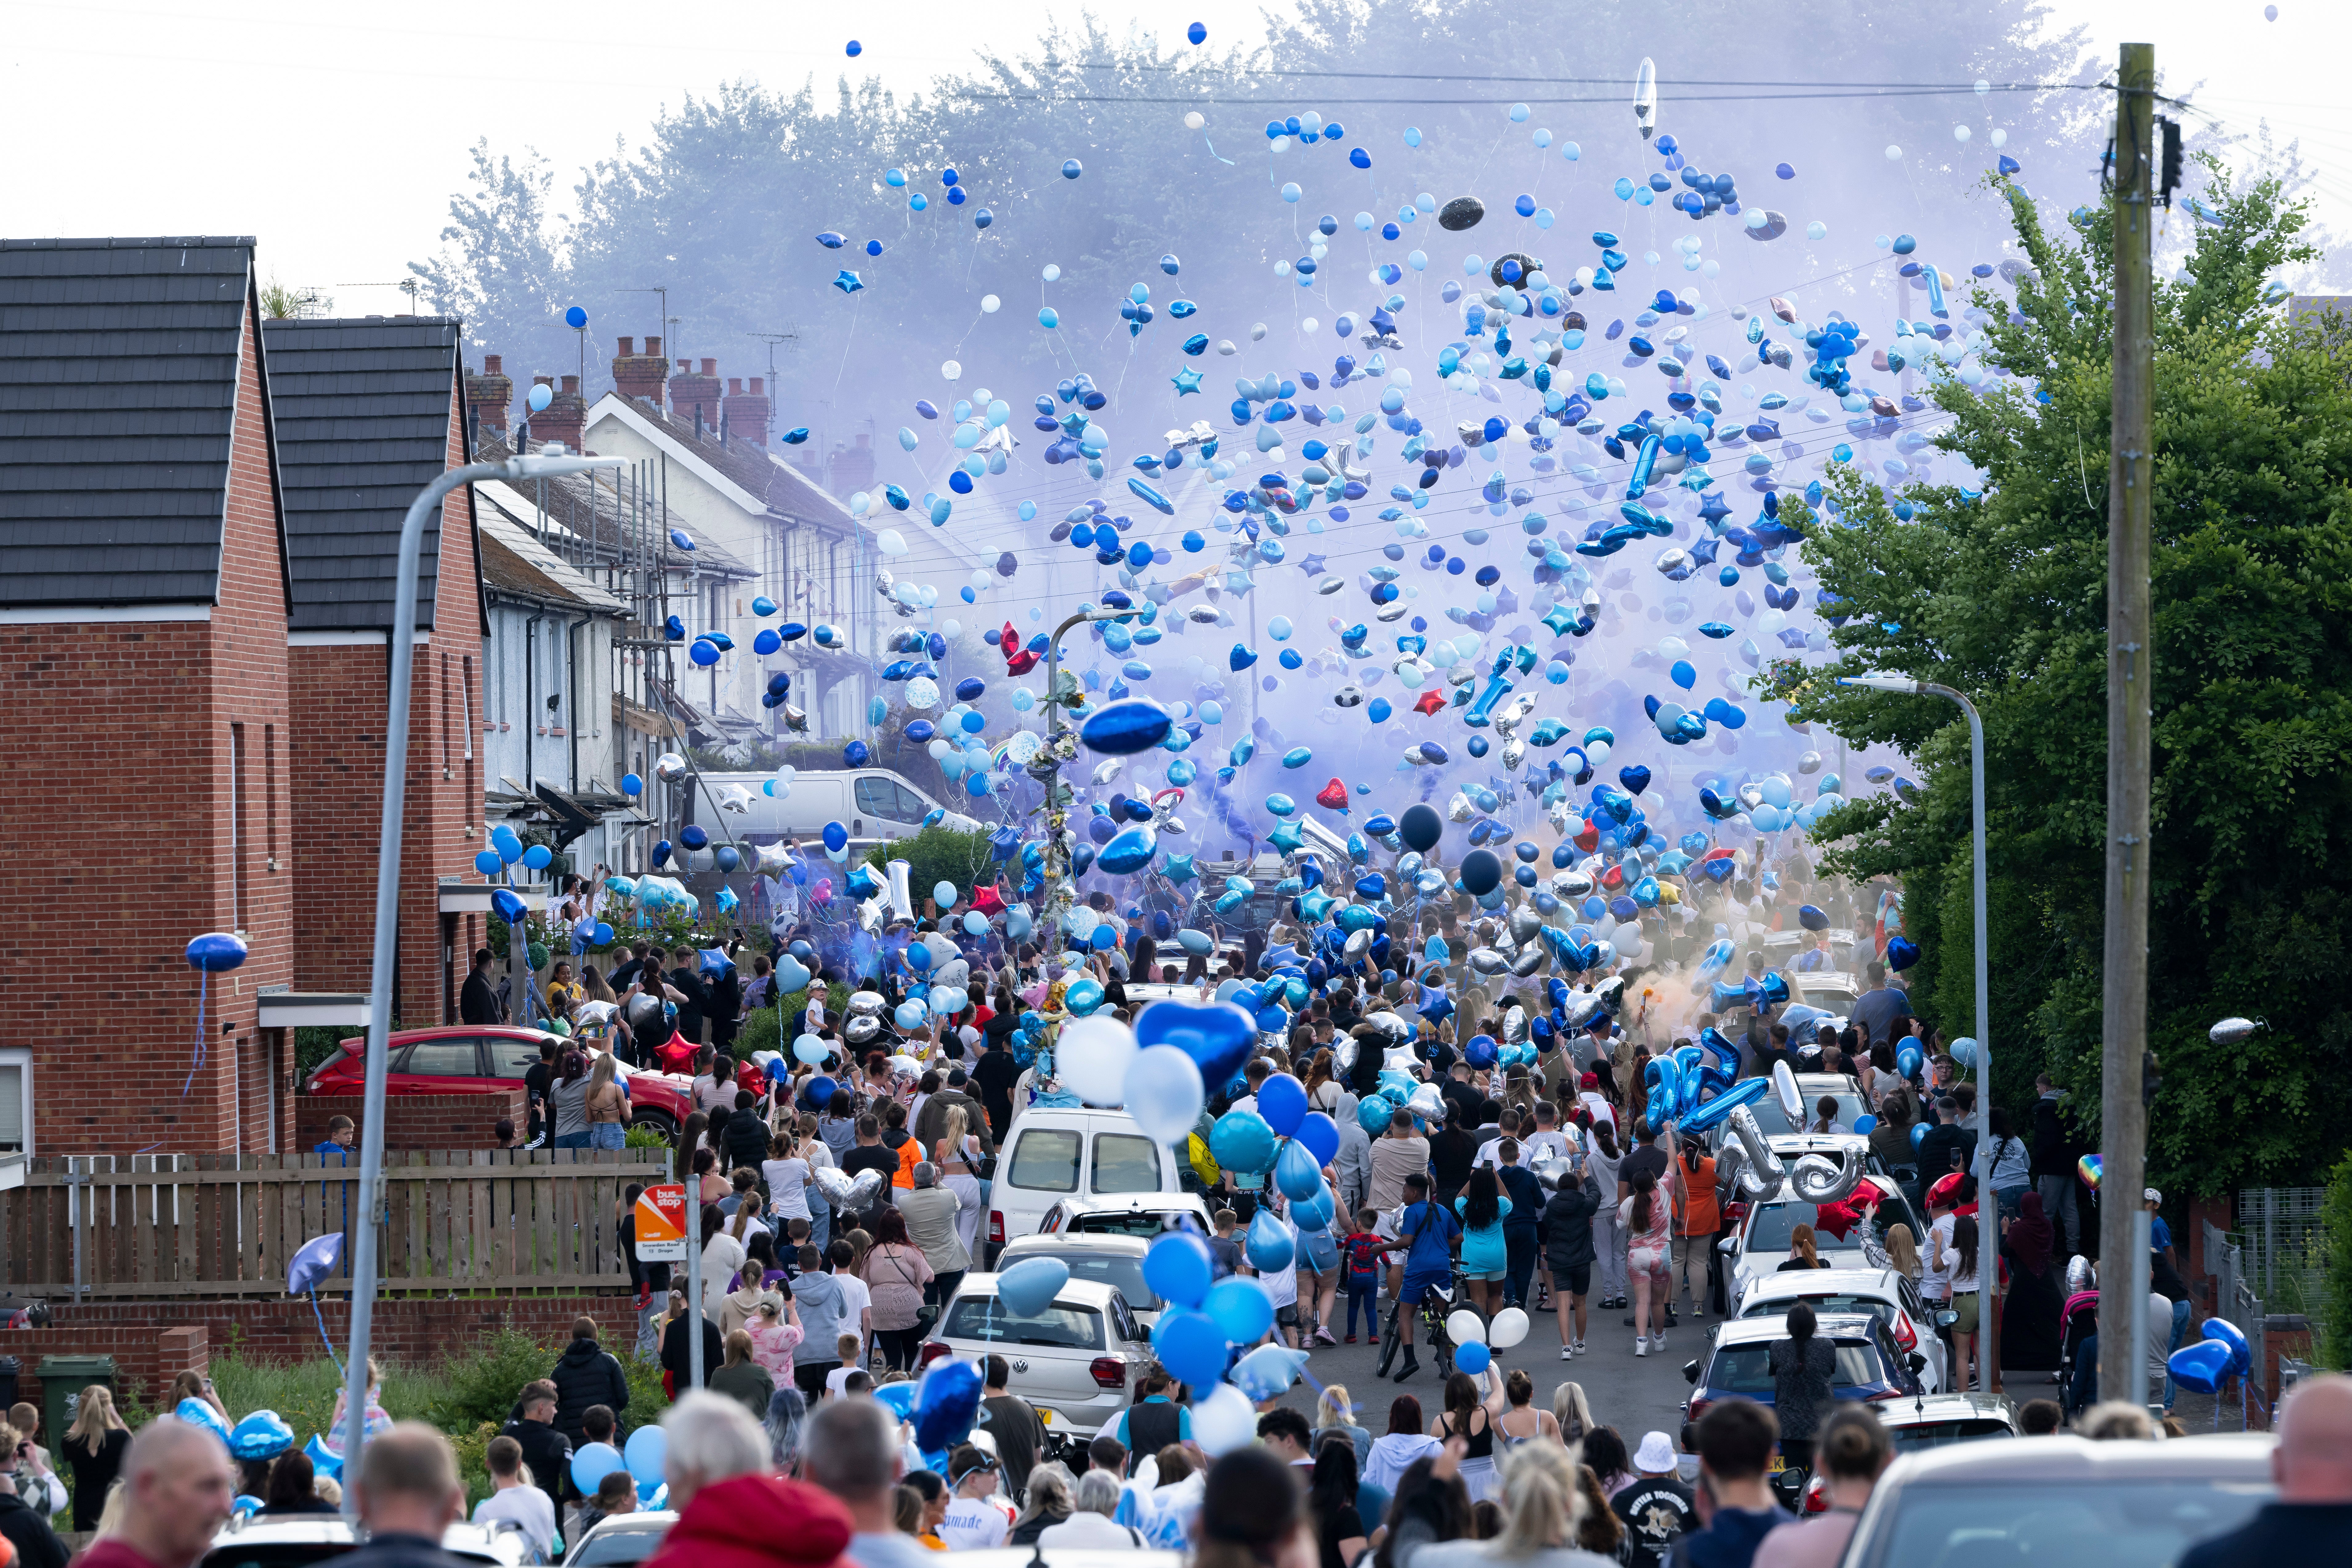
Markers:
229,1225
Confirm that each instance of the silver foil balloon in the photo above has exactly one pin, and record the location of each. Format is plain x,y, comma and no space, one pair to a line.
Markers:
1515,1025
1762,1173
866,1003
1820,1179
1486,961
1531,961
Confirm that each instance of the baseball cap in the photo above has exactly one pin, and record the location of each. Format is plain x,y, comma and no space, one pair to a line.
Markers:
1655,1456
2153,1196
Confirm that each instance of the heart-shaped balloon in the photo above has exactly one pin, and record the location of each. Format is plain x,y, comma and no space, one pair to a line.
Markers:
946,1404
1902,952
834,1183
1218,1036
1029,1286
2200,1367
1635,778
865,1189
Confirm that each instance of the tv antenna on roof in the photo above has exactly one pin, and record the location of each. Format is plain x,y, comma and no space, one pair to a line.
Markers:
412,287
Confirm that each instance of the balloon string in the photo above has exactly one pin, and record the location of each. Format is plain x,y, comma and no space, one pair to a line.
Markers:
329,1343
204,994
1214,154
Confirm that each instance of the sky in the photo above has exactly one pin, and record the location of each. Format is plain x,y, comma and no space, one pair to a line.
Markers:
339,142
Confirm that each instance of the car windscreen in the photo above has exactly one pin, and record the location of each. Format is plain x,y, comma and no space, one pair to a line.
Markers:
1823,1306
1771,1225
2115,1524
1748,1368
1775,1122
1118,1222
612,1546
274,1554
1912,1437
1061,1326
1122,1273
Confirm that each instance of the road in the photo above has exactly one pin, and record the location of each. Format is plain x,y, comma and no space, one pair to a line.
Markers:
1633,1395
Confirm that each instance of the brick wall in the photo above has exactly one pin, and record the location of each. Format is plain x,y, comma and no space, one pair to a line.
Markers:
147,1356
337,758
131,729
418,1120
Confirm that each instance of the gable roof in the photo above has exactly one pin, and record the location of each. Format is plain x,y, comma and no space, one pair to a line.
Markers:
363,409
119,363
751,477
515,562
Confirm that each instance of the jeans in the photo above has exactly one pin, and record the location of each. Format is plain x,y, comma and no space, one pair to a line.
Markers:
820,1221
1609,1254
2179,1330
1519,1263
571,1141
2011,1201
608,1135
1366,1295
2059,1207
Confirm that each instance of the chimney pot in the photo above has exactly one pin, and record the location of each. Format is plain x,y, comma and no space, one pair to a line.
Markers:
734,386
755,386
629,347
488,394
652,348
565,418
710,367
490,364
572,386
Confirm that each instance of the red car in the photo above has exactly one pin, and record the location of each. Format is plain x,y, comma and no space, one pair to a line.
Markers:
467,1058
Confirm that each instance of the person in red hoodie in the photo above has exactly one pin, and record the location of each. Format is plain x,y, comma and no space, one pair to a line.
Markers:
733,1510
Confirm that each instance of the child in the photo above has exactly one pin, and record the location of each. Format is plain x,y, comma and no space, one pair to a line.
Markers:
616,1493
846,1348
774,1337
1361,1259
1226,1250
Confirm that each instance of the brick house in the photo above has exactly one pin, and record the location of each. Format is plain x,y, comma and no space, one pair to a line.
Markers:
144,710
367,412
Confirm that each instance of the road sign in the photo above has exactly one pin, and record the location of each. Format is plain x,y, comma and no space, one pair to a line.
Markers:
661,1224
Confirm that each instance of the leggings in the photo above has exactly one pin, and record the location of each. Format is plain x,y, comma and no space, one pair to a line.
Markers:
898,1347
1609,1252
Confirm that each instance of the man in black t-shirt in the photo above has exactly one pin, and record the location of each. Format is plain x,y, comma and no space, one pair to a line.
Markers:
687,980
1656,1508
536,1080
993,1075
1647,1156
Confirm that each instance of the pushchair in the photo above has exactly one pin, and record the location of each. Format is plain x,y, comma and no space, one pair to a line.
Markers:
2078,1320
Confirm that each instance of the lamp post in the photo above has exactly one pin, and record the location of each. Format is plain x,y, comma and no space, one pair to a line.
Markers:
387,907
1046,768
1988,1244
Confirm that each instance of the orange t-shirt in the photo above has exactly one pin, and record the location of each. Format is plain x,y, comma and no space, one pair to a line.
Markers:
1701,1216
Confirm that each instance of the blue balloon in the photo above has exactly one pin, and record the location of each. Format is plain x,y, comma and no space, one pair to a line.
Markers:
1218,1036
487,862
1240,1309
592,1463
1178,1267
2200,1367
1241,1141
1282,1100
1191,1345
1269,1245
1473,1357
1374,1112
648,1448
264,1435
1029,1286
836,837
946,1404
1122,729
1296,1174
1317,1133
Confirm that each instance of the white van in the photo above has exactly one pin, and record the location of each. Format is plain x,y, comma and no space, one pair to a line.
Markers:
1054,1152
873,804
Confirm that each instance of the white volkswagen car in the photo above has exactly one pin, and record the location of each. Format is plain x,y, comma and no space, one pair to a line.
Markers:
1077,1360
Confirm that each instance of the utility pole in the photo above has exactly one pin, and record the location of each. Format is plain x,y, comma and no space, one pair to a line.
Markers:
2122,1115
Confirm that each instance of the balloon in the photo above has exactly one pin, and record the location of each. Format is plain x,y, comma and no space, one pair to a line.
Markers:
648,1448
1241,1141
592,1463
1178,1266
1374,1112
1163,1091
1270,1247
1240,1309
1473,1358
2241,1354
1029,1286
264,1435
2200,1367
1318,1133
1091,1058
946,1404
1282,1100
1217,1035
1191,1345
810,1051
1225,1419
1481,871
1420,827
1296,1172
1267,1372
1784,1085
1465,1327
1509,1327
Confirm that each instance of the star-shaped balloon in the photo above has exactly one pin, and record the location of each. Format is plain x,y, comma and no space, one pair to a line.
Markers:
1431,702
1186,379
1310,564
1287,837
1181,869
848,282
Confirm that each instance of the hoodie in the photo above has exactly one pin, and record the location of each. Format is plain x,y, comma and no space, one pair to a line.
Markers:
757,1521
1730,1539
586,1375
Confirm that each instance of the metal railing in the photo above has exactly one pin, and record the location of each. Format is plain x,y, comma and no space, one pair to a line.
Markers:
2280,1231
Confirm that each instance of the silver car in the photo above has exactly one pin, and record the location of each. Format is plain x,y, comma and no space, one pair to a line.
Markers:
621,1539
2061,1503
1887,1294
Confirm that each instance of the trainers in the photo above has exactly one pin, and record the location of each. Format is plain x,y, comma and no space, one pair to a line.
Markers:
1580,1347
1350,1340
1641,1345
1565,1351
1324,1334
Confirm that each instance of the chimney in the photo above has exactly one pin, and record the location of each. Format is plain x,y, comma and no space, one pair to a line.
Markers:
487,396
639,375
747,412
695,398
852,469
565,418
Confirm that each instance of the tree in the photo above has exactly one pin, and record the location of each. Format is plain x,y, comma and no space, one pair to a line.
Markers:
2003,595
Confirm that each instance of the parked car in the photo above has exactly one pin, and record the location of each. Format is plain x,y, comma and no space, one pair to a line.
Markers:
873,804
1886,1294
1758,1242
621,1540
1054,1152
1930,1421
1110,1258
1067,1557
1141,1214
472,1058
2061,1503
298,1541
1076,1360
1870,1365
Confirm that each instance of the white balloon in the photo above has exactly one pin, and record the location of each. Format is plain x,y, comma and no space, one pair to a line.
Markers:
991,304
1192,119
1465,1327
1091,1056
1509,1327
951,369
1163,1092
1225,1420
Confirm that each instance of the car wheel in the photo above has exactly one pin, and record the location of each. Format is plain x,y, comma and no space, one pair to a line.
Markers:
657,1123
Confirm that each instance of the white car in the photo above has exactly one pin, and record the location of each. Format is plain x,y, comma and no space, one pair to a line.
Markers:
621,1540
1077,1360
1887,1294
1055,1152
1143,1215
1112,1258
1760,1245
300,1540
1811,1087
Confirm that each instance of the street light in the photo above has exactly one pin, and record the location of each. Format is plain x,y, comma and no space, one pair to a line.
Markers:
1047,770
1988,1244
521,467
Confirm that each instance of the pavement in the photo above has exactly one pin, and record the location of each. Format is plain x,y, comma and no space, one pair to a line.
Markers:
1633,1395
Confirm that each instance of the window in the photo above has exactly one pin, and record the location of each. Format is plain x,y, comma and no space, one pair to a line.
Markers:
442,1058
466,712
1747,1370
1123,1271
511,1058
1058,1326
875,797
236,834
1046,1159
1912,1437
15,1101
2105,1525
1126,1164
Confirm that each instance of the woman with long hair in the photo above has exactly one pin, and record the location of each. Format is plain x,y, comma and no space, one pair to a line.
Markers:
93,1451
1251,1515
1648,1218
1520,1421
1322,1087
1802,1367
1427,1506
1604,1450
689,1142
1050,1503
1572,1414
1395,1450
1484,1257
1340,1533
1959,1261
1543,1510
1466,1417
1804,1250
1334,1415
957,1157
1903,1251
1597,1529
608,1105
896,1271
567,1100
1608,1220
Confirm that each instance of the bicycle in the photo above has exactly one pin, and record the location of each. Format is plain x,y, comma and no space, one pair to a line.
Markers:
1436,1304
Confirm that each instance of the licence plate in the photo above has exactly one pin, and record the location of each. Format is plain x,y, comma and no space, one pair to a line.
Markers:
1778,1464
1045,1416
